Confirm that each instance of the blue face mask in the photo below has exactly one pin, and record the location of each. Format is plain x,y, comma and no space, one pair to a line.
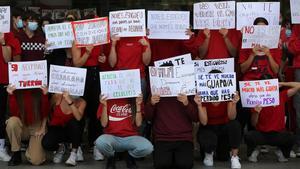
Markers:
20,24
32,26
288,32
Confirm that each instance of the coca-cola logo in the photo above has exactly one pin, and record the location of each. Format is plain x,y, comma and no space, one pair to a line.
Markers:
121,109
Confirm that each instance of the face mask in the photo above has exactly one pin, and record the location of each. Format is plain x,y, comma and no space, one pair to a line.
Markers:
20,24
32,26
288,32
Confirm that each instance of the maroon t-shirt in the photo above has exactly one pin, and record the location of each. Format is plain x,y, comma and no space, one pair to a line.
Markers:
217,115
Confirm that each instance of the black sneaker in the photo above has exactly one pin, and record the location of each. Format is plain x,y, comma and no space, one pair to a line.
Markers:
111,164
16,159
130,162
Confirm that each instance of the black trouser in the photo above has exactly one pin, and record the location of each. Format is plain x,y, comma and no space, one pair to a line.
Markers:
228,135
91,96
173,155
71,133
283,140
3,111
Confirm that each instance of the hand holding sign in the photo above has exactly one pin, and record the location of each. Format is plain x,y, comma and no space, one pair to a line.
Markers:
67,97
197,100
44,89
236,97
103,100
10,89
115,39
266,50
139,99
183,99
144,42
258,108
89,49
223,32
155,99
206,33
2,40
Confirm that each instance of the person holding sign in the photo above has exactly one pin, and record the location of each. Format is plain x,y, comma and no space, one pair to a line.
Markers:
17,22
259,60
8,52
270,126
218,121
64,126
121,119
29,111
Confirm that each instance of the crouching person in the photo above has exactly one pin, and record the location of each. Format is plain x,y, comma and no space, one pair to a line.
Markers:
29,110
121,119
64,127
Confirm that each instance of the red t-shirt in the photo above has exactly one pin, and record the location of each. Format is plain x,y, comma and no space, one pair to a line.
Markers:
93,59
217,48
216,115
130,54
120,122
273,118
294,45
260,64
16,50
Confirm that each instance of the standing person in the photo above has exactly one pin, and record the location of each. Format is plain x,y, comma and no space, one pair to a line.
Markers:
8,45
17,22
120,119
270,126
64,126
218,120
28,117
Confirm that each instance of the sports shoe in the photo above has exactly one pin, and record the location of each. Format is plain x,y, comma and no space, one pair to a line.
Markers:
130,162
79,154
72,159
59,154
111,163
280,156
4,156
16,159
208,159
253,156
235,162
293,154
97,154
264,149
298,151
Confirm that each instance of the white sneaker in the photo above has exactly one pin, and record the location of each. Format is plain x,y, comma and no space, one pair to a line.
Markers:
280,156
4,156
59,154
72,159
293,154
97,154
79,154
253,157
264,149
208,159
235,162
298,151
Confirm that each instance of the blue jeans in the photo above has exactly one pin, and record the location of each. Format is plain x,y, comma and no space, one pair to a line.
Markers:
136,146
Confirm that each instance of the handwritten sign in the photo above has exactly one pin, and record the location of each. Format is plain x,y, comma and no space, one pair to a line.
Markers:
206,66
171,81
295,11
247,12
27,75
214,15
216,87
261,35
176,61
4,19
168,24
91,32
59,35
121,84
262,92
128,23
70,79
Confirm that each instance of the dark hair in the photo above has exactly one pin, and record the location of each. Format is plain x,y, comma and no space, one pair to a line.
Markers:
215,71
260,19
15,12
30,15
46,18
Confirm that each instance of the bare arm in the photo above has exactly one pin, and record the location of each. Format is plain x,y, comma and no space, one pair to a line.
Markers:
255,115
202,112
273,64
138,115
6,50
294,87
104,116
232,50
77,108
204,47
231,107
79,60
147,53
113,57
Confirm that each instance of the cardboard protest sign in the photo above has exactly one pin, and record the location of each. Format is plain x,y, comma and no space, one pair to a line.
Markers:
262,92
295,11
247,12
214,15
89,11
59,35
4,19
205,66
176,61
216,87
128,23
48,13
168,24
121,84
27,75
171,81
70,79
261,35
91,32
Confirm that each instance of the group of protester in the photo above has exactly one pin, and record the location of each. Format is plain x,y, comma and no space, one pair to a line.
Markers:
53,122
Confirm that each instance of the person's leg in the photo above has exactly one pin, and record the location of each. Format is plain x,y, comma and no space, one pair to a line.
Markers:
137,146
296,101
233,130
107,144
207,139
253,139
184,155
3,112
163,154
284,140
52,138
73,132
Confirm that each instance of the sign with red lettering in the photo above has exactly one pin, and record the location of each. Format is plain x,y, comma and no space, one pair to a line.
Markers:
91,32
214,15
28,75
262,93
128,23
261,35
